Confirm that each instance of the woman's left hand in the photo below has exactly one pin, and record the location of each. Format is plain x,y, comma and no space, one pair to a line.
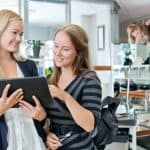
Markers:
36,112
57,92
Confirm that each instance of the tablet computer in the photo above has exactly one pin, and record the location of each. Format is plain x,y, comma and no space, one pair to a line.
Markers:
37,86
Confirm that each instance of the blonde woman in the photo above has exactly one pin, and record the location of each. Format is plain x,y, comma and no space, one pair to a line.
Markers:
18,130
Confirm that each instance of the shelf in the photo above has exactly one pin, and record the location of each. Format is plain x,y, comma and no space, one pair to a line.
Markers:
136,72
141,79
136,94
118,67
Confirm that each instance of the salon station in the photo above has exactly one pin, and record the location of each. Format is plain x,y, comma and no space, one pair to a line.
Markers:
119,38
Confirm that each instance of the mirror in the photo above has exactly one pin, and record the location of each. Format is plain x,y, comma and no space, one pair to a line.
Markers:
124,52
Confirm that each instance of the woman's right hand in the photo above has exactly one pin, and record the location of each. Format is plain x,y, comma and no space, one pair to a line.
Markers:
36,112
53,141
8,102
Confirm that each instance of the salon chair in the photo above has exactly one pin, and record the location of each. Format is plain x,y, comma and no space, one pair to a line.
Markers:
144,142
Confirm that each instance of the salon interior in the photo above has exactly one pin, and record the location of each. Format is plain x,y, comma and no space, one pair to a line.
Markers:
122,64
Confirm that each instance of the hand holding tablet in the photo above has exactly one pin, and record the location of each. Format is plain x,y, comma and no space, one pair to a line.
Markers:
37,86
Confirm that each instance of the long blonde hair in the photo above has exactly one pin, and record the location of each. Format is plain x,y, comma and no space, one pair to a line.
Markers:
79,39
7,16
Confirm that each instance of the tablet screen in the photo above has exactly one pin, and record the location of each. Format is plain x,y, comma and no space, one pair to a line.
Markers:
37,86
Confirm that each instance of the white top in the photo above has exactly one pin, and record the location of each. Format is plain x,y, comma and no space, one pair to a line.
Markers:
22,133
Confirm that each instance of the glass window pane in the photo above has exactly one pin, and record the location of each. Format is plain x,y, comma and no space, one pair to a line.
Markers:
45,18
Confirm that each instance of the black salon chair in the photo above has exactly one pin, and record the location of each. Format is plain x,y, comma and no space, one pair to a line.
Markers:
144,142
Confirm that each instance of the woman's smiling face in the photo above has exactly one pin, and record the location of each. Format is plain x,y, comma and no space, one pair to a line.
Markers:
64,50
12,36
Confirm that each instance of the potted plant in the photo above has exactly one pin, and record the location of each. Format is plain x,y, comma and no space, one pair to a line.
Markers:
36,47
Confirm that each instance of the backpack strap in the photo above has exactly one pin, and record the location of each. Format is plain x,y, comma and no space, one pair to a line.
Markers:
111,102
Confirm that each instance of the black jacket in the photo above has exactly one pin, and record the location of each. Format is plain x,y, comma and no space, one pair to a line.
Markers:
28,68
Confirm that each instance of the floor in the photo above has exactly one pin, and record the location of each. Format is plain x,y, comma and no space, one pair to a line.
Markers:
120,146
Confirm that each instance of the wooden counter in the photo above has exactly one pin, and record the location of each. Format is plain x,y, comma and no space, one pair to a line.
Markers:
143,128
136,94
142,131
101,68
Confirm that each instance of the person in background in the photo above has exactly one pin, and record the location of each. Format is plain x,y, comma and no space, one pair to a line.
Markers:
76,94
18,130
139,32
135,35
147,24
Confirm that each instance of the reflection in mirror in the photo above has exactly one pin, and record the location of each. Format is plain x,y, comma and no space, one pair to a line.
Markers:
131,79
138,54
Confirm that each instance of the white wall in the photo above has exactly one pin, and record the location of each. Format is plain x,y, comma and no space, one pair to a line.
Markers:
90,16
89,23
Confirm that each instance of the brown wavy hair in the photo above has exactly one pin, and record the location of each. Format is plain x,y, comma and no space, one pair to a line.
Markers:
130,29
79,39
